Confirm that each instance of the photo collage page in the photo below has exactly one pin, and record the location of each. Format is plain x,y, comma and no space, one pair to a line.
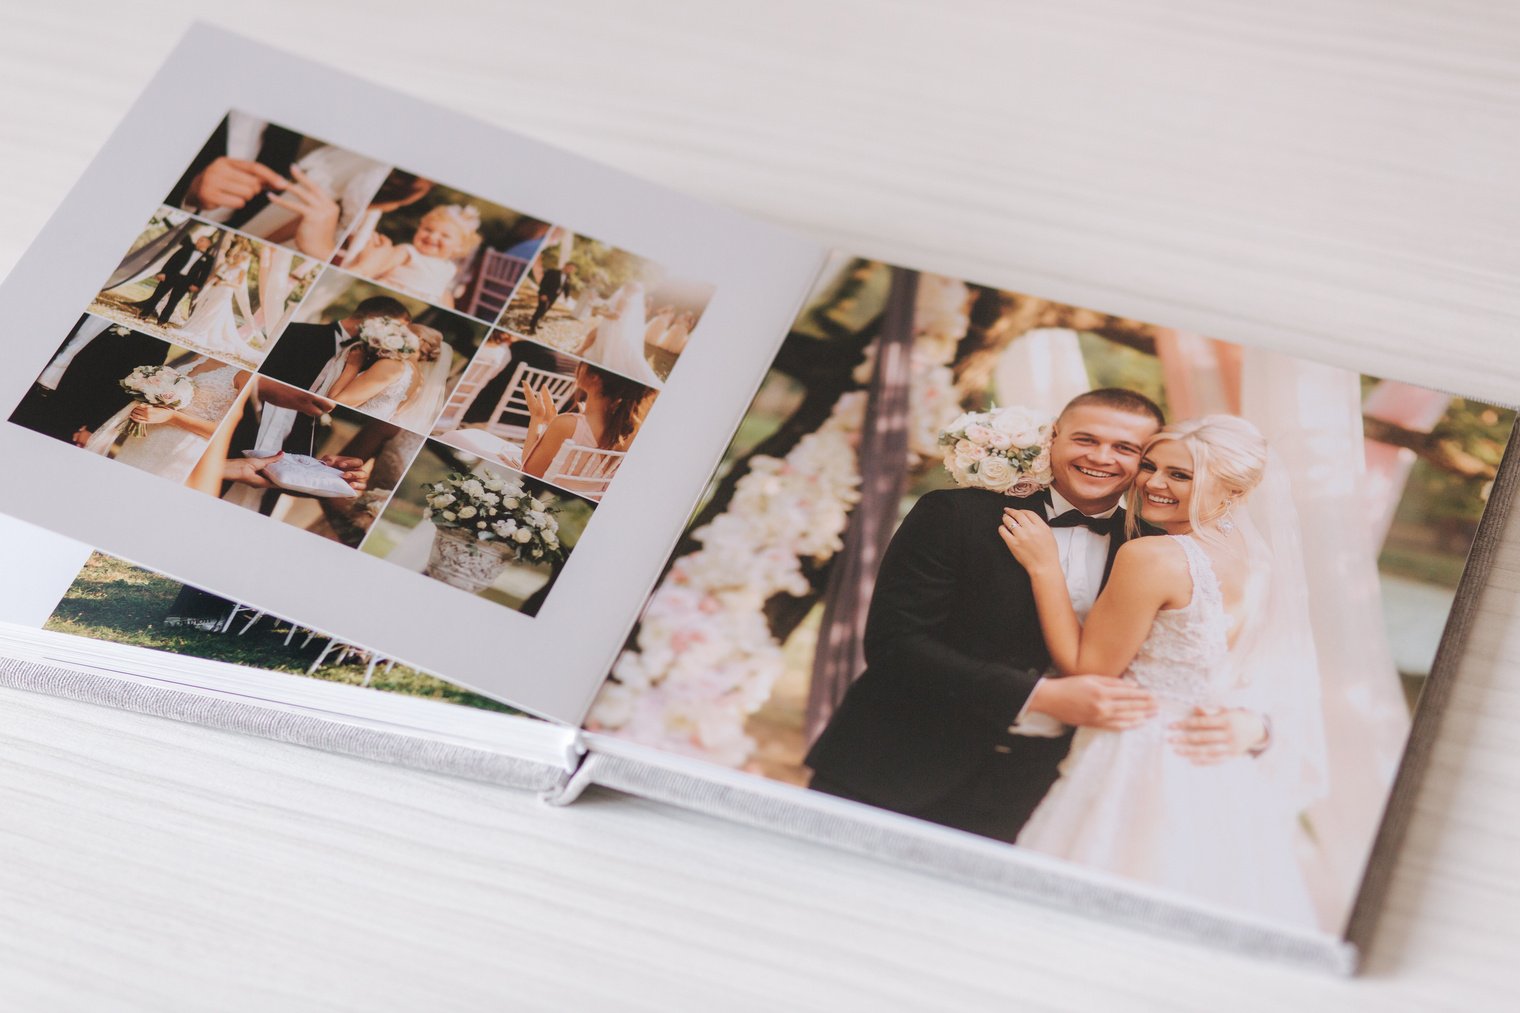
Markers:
372,356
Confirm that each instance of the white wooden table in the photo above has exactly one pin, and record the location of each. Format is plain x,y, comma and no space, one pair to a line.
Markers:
1314,169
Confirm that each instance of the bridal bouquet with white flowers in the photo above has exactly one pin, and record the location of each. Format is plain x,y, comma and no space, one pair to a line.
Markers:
388,338
160,386
1005,450
498,511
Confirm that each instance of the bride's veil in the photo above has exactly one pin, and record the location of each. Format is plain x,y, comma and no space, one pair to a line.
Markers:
1275,663
421,410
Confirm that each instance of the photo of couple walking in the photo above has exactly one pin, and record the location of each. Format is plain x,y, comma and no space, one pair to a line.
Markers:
1146,602
206,288
606,306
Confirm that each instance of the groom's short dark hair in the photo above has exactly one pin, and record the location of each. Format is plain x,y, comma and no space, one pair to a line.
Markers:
1119,399
381,306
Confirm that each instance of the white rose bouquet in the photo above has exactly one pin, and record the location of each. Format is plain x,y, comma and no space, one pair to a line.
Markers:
155,385
388,338
1005,450
497,510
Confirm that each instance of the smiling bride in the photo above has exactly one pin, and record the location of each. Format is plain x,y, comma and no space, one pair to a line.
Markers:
1201,615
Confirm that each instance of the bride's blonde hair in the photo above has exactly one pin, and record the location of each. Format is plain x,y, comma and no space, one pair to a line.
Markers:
1229,458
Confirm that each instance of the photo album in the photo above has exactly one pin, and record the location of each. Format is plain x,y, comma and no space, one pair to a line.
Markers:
337,418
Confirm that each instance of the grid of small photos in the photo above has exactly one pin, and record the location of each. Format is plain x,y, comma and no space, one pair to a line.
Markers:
372,356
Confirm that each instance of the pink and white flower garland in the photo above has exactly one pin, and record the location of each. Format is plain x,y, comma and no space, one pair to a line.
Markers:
705,658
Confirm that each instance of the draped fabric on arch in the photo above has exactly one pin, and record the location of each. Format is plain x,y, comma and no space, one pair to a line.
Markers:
1041,369
883,455
274,287
1312,415
143,261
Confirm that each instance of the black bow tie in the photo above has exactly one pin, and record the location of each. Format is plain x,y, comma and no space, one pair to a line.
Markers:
1075,518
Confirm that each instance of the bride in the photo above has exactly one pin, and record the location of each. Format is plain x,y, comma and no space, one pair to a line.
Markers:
176,436
380,380
1201,616
213,325
617,342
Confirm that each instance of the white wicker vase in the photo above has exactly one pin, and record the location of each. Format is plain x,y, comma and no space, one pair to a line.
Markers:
459,559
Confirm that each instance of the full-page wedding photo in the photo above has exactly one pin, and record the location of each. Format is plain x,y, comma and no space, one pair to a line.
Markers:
273,183
545,413
443,246
131,397
205,288
1151,603
479,527
607,306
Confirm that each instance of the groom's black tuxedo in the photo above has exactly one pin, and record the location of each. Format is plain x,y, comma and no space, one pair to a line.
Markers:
277,149
177,281
297,358
953,649
90,392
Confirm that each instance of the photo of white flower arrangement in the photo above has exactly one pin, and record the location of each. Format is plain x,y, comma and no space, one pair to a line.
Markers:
480,527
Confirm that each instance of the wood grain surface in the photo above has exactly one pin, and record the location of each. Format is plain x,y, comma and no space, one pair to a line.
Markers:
1337,175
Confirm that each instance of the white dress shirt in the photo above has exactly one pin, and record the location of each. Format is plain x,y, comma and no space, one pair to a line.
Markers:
1084,556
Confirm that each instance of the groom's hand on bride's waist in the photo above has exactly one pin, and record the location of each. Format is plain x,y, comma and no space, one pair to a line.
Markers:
1093,701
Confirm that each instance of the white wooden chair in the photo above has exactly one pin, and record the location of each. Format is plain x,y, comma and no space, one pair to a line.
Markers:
585,470
476,376
559,385
344,651
255,616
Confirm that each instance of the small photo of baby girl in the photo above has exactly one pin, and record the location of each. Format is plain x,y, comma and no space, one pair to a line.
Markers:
432,242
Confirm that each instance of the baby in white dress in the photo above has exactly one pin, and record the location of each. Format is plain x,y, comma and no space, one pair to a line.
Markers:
424,267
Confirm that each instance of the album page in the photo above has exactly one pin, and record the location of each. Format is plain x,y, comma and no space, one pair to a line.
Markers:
336,354
1142,604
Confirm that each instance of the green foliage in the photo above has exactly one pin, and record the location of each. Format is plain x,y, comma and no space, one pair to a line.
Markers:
1110,364
604,268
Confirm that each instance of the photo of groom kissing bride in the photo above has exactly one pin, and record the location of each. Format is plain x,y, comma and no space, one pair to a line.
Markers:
1144,603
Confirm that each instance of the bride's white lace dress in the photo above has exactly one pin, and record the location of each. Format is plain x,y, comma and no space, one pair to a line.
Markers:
384,403
1127,804
619,342
169,451
212,325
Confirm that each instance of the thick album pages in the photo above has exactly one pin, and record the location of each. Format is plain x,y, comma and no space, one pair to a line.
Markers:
427,385
90,627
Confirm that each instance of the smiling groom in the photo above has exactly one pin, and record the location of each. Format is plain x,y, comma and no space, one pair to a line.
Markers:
938,726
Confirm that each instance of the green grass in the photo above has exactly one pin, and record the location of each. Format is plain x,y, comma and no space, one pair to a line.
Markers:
114,601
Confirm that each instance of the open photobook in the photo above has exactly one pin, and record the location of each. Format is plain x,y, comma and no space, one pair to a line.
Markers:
339,419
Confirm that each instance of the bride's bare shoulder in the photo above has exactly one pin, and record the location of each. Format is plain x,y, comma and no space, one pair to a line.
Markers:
1151,554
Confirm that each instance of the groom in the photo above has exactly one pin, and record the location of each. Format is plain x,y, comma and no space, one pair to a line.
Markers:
937,725
182,274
